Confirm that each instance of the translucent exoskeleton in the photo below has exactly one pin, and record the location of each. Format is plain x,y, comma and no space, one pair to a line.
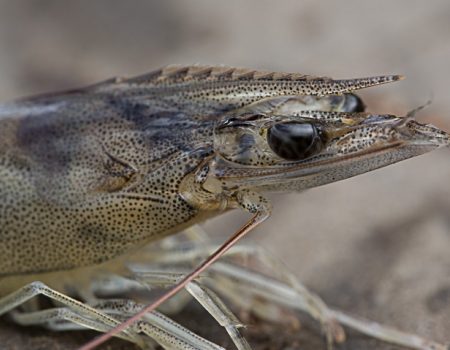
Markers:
89,176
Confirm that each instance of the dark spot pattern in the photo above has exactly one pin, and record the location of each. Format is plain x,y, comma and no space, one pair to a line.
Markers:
90,174
89,180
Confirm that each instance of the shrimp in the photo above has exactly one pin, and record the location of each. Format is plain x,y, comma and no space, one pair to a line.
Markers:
89,176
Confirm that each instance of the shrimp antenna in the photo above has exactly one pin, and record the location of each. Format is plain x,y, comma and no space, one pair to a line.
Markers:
412,113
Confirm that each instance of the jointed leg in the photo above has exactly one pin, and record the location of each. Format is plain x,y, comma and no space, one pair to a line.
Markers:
235,281
281,293
212,303
161,277
162,329
63,318
102,316
184,253
75,311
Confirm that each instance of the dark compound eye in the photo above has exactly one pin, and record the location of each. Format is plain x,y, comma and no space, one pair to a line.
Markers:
353,103
295,141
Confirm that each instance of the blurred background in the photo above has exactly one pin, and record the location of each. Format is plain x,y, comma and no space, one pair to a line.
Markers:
376,245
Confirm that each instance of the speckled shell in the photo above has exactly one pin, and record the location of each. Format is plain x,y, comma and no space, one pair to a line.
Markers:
89,174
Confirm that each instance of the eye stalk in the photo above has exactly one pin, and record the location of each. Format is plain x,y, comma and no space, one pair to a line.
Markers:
295,141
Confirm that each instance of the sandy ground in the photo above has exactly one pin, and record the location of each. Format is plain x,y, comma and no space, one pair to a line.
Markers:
376,245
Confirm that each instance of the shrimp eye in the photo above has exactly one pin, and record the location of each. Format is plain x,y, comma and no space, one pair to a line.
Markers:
295,141
353,103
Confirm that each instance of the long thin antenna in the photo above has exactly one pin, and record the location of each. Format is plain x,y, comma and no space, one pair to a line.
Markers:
411,114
